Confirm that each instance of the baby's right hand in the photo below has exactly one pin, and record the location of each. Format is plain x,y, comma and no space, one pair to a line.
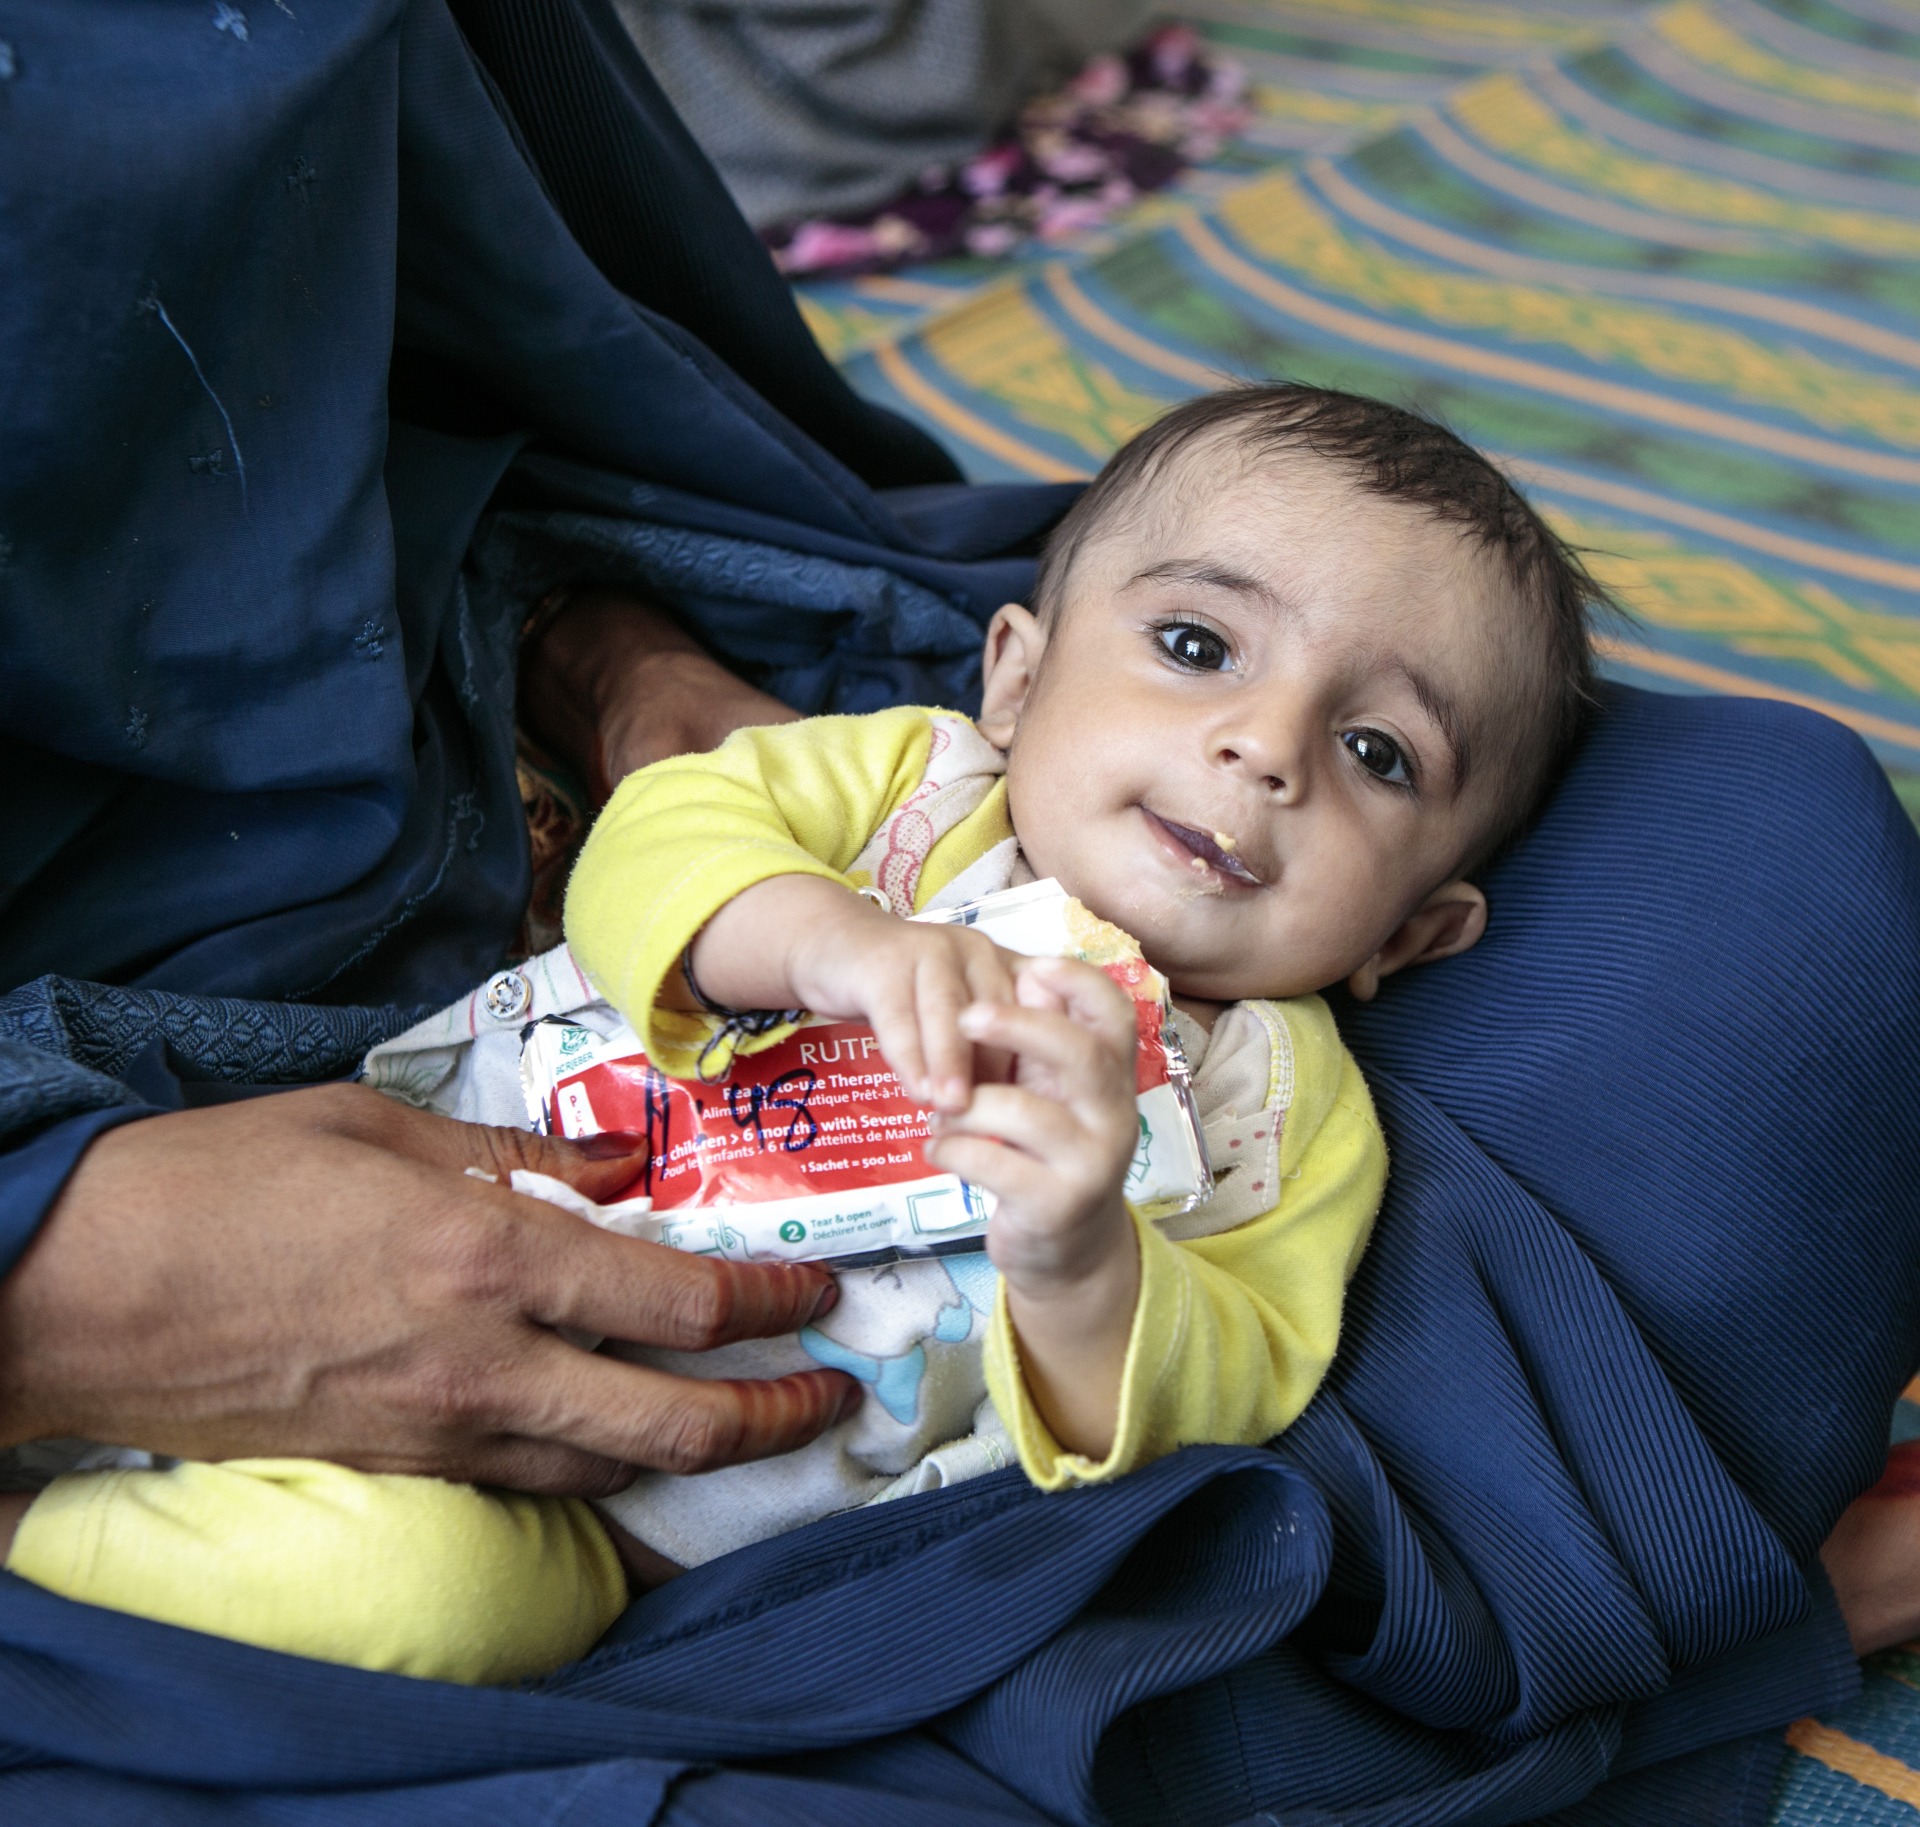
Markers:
908,983
842,958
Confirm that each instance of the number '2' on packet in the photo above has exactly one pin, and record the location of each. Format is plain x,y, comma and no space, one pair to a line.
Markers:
811,1151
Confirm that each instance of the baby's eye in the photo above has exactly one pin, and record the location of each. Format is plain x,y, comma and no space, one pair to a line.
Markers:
1379,755
1195,646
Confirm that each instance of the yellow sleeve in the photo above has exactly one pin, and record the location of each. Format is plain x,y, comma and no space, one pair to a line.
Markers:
1233,1333
375,1569
677,841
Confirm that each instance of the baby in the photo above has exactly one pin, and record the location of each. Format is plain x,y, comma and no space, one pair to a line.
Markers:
1297,665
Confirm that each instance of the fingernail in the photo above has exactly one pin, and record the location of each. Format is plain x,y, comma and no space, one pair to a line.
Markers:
610,1144
955,1095
829,1299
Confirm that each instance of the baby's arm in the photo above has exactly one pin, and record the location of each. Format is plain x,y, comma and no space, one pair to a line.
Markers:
1231,1333
737,859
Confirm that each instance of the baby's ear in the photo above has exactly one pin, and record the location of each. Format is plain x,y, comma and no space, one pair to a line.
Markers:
1015,641
1449,921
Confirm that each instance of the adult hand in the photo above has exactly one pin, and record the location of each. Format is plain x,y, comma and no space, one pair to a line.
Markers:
314,1273
612,684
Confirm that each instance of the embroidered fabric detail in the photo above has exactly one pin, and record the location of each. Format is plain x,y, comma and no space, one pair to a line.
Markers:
962,766
1243,1083
64,1043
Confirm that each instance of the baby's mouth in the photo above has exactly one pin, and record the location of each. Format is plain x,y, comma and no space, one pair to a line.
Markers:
1214,853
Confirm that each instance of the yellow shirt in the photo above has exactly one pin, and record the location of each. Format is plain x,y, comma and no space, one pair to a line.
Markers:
1233,1331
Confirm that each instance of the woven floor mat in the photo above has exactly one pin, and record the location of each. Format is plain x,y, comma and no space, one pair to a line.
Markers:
1664,262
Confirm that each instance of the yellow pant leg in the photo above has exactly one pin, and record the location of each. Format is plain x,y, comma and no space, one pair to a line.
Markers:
411,1575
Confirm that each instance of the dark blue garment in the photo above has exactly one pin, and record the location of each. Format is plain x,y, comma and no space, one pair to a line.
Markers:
1644,1286
1624,1344
263,721
255,722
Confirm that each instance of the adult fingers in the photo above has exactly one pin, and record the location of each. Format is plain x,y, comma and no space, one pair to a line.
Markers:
565,1273
600,1166
636,1415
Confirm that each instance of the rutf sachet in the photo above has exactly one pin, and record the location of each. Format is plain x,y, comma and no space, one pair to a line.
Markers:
810,1150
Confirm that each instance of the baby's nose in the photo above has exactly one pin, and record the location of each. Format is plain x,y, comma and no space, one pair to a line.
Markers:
1274,783
1267,760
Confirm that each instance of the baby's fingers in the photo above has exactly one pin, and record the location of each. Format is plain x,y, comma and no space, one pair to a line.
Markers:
941,992
893,1013
991,975
1089,996
1036,1125
1016,1180
950,978
1064,1056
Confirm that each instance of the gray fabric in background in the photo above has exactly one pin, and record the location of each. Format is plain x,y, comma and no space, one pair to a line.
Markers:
815,107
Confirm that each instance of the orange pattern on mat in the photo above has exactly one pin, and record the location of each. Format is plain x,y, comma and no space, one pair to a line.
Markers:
1851,1758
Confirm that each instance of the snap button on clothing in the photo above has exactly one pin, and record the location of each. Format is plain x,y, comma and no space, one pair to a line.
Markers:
507,995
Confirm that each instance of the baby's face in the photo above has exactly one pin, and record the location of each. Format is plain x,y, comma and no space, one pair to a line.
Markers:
1262,730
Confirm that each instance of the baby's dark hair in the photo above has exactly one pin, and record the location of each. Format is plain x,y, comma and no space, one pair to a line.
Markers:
1400,456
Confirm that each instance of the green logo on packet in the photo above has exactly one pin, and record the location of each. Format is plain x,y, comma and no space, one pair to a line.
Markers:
1142,1155
793,1231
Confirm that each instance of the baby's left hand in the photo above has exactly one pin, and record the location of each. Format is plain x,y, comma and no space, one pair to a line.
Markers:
1054,1147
